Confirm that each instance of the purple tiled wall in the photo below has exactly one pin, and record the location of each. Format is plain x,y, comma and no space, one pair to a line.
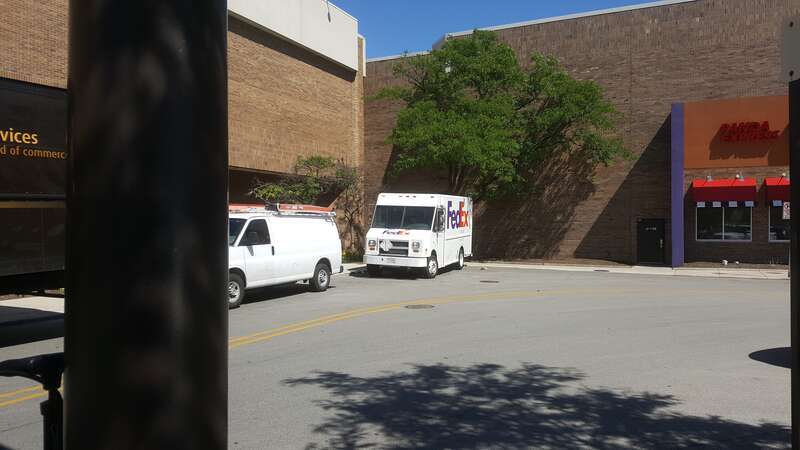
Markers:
676,183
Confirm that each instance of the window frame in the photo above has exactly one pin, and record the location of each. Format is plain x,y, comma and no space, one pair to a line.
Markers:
403,225
723,208
769,226
242,237
239,235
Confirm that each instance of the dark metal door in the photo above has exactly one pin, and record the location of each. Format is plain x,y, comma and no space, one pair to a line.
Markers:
651,241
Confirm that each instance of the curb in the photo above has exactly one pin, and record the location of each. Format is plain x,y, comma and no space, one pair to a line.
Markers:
748,274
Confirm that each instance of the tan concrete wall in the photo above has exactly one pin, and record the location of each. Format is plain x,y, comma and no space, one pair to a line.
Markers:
287,102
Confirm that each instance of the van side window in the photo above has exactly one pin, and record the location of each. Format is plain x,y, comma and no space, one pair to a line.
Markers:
257,234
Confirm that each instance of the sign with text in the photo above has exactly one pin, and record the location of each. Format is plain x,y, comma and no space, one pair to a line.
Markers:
33,140
786,211
747,132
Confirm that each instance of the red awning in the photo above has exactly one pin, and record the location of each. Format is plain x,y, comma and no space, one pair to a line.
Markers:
778,189
726,190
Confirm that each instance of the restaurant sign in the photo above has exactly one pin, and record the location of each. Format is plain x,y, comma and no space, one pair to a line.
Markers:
747,132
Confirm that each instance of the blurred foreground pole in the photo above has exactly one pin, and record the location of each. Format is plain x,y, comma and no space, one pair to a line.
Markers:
794,156
146,309
790,66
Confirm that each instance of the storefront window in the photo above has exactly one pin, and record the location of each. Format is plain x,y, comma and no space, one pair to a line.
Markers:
737,223
778,227
709,224
729,223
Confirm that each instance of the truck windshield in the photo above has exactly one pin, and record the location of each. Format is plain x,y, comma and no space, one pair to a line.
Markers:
234,228
403,217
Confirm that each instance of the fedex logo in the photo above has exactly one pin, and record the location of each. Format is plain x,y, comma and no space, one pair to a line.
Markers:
457,218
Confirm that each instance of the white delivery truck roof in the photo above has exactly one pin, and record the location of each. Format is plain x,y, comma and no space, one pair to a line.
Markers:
409,199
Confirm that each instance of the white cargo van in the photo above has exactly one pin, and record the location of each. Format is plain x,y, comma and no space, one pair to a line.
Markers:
425,231
283,244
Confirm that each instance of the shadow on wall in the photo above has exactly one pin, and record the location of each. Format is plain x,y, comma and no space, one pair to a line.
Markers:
529,227
274,42
241,182
490,406
643,194
534,226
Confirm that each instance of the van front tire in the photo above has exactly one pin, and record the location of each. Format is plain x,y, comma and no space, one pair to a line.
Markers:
235,290
322,278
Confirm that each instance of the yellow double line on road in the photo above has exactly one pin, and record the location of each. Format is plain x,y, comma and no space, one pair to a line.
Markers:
35,392
25,395
297,327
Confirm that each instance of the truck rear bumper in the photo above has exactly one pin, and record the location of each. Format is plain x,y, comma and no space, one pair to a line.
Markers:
395,261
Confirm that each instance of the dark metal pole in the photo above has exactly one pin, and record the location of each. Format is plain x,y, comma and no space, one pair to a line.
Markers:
794,156
146,309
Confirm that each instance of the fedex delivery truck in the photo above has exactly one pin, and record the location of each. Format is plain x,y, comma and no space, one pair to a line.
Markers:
420,231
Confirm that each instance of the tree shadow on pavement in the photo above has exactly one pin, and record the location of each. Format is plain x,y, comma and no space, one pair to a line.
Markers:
24,325
489,406
781,357
279,292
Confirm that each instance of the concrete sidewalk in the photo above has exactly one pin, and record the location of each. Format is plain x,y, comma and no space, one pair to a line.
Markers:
754,274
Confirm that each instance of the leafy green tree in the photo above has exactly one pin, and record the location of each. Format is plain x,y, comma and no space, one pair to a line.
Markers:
317,179
314,177
473,111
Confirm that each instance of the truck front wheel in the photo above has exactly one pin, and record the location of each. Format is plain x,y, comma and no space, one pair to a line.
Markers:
433,267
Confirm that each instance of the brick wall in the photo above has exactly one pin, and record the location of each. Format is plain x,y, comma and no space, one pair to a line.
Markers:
646,60
285,101
33,41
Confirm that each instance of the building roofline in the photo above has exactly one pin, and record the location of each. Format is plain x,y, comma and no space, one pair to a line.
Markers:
598,12
404,55
341,10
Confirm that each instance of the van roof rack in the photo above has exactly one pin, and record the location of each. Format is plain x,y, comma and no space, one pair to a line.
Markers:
283,209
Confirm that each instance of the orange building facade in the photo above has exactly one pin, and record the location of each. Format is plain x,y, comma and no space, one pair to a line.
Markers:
730,181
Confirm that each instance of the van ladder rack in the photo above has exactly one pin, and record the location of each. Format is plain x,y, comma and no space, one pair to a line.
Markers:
284,209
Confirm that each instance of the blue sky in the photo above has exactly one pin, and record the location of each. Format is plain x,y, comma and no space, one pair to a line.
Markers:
393,27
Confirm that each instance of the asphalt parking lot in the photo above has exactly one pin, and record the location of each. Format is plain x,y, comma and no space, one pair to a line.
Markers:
497,358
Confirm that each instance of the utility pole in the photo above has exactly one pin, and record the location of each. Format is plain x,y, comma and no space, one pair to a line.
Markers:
147,259
794,149
791,69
